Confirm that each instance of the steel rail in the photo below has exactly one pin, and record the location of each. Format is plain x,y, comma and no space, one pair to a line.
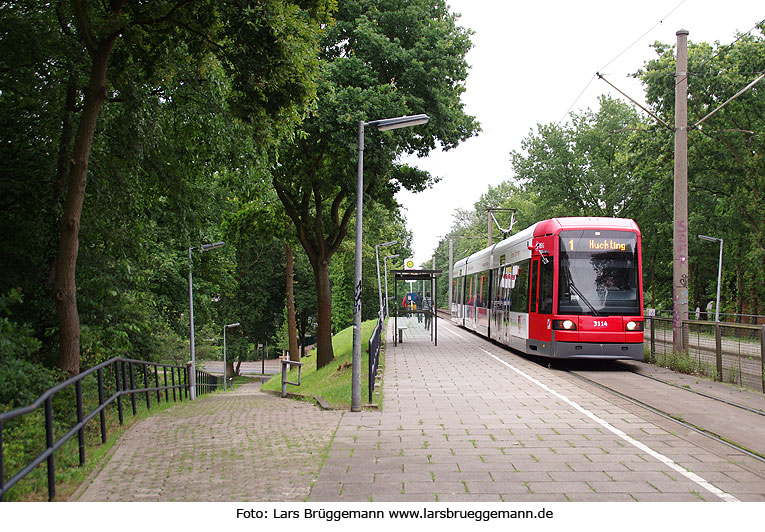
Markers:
669,417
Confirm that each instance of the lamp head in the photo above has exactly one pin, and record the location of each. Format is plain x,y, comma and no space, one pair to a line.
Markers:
387,124
214,245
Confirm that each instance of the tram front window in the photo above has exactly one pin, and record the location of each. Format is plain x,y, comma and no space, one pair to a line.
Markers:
598,273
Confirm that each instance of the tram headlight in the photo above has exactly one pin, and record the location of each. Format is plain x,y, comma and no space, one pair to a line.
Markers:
564,325
634,326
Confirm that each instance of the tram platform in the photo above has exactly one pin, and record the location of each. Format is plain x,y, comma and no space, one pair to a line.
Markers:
471,421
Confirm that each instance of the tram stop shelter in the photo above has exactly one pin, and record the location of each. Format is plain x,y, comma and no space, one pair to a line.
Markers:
415,275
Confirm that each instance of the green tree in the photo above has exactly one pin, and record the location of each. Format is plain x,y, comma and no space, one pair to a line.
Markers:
381,59
582,168
92,54
725,161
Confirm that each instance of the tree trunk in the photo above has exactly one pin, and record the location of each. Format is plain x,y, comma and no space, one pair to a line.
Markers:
291,322
65,290
324,352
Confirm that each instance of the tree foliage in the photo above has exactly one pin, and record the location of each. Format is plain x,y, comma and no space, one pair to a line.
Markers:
185,75
615,162
380,59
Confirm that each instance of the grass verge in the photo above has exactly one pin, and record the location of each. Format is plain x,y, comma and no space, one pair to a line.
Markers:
333,382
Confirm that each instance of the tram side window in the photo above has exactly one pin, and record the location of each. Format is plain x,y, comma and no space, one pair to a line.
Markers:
506,287
520,291
497,288
483,292
546,287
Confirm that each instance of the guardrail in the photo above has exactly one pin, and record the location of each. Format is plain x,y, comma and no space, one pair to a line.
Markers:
729,352
120,381
374,355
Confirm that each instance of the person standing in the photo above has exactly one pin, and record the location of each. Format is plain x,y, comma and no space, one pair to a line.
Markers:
427,307
418,304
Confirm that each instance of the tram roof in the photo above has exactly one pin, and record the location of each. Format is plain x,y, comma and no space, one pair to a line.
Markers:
551,226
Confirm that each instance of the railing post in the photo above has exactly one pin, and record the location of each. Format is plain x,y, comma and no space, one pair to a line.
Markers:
49,447
102,415
146,386
81,431
167,395
156,382
718,351
653,338
119,389
132,388
172,380
187,379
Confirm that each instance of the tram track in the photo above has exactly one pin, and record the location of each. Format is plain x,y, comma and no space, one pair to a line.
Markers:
691,390
701,416
674,418
725,421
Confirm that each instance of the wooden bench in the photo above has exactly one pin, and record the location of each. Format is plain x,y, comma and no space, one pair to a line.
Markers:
401,329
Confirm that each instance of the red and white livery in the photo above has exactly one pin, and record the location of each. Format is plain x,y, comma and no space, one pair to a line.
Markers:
562,288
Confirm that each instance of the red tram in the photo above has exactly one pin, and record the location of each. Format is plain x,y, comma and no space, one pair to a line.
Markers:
562,288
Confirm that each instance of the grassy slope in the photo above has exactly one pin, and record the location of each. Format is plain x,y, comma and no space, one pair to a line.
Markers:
333,381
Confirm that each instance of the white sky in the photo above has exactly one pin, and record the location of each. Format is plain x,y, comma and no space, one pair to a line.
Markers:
529,63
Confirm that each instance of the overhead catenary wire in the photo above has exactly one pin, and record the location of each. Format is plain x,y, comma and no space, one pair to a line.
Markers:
596,75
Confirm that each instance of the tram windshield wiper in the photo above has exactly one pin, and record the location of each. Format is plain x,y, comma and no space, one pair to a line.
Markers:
581,296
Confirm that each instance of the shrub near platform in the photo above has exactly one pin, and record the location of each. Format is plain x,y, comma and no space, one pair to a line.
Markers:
332,382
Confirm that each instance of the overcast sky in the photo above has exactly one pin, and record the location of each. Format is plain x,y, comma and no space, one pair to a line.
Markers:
530,63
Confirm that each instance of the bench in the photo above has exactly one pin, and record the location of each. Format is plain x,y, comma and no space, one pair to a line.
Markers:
401,329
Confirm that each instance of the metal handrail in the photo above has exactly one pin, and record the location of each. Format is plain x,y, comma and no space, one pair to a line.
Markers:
374,355
285,363
123,371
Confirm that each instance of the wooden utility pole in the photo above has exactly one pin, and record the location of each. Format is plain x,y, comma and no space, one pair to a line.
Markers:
680,232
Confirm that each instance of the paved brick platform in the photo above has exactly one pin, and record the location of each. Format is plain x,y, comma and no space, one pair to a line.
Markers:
236,446
464,421
470,421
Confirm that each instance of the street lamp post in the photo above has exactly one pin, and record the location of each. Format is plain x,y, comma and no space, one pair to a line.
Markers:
377,260
719,272
229,326
381,125
193,376
385,260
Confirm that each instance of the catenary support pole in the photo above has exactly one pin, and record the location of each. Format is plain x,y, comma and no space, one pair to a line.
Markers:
680,232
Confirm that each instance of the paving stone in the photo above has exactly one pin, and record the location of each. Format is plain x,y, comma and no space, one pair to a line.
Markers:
446,432
222,447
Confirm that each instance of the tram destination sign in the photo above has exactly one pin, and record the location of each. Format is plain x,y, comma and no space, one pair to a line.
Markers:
598,241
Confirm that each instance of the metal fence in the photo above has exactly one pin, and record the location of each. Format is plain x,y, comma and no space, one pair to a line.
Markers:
374,355
728,352
702,315
94,390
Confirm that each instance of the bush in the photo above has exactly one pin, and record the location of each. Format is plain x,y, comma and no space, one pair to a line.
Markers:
22,382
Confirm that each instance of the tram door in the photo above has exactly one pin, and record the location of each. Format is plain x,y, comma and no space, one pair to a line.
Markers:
496,328
540,305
